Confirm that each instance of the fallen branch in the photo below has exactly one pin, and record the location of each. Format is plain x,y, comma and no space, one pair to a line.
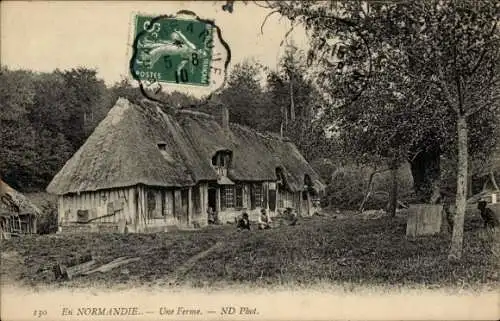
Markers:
370,188
73,267
78,269
403,205
111,265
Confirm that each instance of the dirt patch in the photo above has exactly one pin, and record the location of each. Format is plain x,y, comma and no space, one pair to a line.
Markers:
12,265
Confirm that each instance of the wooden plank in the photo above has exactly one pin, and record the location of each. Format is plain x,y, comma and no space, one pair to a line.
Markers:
60,209
76,270
144,206
177,204
217,200
130,205
134,208
190,205
118,209
108,219
204,201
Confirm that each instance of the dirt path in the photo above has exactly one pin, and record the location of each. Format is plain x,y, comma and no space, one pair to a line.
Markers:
190,263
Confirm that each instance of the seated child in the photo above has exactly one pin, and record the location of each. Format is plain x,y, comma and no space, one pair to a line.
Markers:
264,220
243,223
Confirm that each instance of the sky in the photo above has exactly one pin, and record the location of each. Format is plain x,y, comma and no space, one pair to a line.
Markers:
43,36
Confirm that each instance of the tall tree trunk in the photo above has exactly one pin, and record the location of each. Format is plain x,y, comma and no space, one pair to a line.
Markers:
469,185
493,181
292,102
457,236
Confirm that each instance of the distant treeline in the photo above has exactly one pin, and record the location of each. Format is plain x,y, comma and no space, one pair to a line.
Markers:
46,117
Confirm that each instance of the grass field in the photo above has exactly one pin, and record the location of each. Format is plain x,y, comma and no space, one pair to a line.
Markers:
348,250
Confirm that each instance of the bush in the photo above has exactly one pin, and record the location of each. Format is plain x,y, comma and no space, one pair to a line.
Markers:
346,188
47,222
349,184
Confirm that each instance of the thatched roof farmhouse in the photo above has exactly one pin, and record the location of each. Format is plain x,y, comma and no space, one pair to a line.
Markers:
18,215
145,169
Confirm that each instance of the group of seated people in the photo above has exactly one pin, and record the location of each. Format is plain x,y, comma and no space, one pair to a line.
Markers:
263,223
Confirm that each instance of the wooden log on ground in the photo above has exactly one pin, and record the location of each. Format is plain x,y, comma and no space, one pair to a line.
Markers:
80,269
73,266
424,219
113,264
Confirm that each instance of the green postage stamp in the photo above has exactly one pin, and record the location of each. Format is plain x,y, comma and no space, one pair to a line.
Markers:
175,50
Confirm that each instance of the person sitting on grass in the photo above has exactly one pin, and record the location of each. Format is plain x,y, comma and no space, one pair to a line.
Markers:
244,223
489,218
211,216
293,217
264,220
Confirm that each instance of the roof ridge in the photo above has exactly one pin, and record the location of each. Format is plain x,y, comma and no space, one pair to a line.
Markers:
261,133
195,113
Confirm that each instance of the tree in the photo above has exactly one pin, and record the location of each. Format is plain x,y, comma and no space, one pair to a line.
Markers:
17,135
462,67
294,102
82,93
439,56
45,118
243,95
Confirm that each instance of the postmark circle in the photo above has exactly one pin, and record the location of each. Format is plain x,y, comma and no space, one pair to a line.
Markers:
178,50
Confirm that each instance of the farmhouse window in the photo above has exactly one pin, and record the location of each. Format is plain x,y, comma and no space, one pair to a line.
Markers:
227,197
162,146
257,192
265,195
151,203
281,201
221,159
196,200
155,204
239,195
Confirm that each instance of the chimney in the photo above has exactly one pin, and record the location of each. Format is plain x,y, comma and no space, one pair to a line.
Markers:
224,120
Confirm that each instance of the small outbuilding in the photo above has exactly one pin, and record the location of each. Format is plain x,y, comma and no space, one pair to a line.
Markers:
18,215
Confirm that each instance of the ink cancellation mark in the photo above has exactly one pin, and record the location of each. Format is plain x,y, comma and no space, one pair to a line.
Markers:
170,49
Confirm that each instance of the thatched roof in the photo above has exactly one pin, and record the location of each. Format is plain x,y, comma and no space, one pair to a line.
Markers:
14,203
123,151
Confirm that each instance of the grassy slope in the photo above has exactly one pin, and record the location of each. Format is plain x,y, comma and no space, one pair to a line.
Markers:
319,250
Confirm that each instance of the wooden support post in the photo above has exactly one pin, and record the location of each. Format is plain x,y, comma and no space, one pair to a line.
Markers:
308,203
300,202
266,184
190,205
204,201
177,204
218,200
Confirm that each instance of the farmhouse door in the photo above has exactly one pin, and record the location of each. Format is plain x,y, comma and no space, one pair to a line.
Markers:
183,217
272,197
252,197
212,198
